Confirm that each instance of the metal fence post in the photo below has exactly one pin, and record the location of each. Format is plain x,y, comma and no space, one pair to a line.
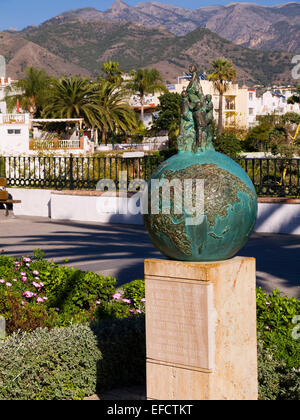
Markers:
71,173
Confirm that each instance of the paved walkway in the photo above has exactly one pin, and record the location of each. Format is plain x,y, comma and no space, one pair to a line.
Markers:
120,250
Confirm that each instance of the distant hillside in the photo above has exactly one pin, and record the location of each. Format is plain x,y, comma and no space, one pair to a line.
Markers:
88,44
21,53
247,24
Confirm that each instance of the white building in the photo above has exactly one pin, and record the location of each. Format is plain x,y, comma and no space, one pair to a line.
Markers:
275,102
150,104
14,134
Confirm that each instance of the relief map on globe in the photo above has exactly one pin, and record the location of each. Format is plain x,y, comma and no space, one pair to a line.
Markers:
230,201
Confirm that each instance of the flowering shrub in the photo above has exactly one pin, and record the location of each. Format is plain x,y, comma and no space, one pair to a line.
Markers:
37,293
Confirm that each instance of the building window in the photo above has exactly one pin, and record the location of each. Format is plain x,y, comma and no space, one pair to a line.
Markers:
230,103
10,131
251,96
251,111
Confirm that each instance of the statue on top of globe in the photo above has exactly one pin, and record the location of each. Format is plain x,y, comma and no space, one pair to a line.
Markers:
226,193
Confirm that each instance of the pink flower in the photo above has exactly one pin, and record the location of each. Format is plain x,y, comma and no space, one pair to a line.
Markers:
42,284
8,284
143,300
117,296
27,260
39,300
35,273
126,300
138,311
45,298
28,294
268,303
23,274
24,279
35,284
2,281
37,278
15,280
132,311
98,302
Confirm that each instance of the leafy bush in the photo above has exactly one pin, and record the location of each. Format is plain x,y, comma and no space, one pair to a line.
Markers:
73,362
228,144
60,364
135,292
275,326
36,293
275,380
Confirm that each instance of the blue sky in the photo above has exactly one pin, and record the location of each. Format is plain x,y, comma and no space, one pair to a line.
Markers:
21,13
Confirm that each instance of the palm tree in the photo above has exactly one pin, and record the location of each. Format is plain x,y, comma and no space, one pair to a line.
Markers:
72,97
112,71
101,104
115,115
221,74
145,81
31,92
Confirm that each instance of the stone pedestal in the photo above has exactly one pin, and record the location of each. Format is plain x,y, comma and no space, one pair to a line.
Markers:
201,330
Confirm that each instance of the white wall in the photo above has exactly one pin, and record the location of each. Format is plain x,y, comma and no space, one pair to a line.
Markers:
278,218
35,202
272,217
92,209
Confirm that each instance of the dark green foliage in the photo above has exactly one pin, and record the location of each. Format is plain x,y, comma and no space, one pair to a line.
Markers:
228,144
275,325
165,154
123,347
60,364
168,111
135,291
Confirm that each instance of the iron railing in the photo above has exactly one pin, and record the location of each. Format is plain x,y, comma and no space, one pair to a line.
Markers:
274,177
74,173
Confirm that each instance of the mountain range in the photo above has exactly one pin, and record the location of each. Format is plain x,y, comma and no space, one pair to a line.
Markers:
247,24
161,36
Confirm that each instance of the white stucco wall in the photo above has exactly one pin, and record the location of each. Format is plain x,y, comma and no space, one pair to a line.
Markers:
92,209
272,217
35,202
278,218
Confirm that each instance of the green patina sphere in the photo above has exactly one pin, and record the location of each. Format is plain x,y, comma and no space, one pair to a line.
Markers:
229,212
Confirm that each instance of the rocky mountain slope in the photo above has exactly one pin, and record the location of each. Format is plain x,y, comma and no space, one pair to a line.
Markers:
247,24
21,53
89,44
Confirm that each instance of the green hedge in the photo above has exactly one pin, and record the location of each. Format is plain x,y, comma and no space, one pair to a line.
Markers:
73,362
57,364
